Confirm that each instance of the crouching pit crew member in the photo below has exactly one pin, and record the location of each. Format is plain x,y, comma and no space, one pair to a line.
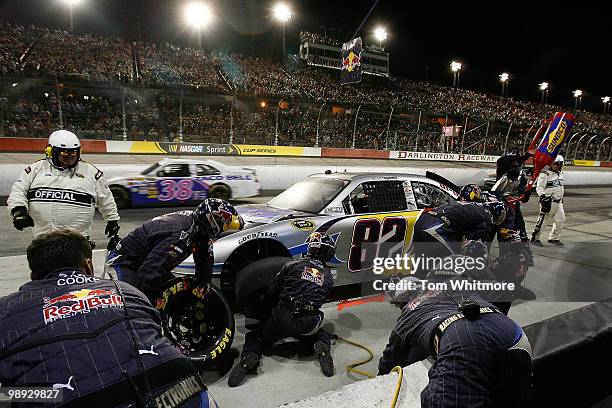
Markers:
98,341
146,256
482,357
297,292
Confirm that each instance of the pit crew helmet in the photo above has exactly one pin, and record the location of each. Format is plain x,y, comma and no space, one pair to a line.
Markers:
320,246
498,211
559,160
62,141
215,216
470,192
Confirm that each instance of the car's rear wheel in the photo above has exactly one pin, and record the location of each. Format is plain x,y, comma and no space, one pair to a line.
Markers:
252,282
220,191
121,197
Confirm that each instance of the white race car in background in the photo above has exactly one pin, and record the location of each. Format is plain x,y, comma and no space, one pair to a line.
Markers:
184,181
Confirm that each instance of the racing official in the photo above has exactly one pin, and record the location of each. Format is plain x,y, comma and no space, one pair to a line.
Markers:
146,256
62,191
482,357
97,341
297,292
550,189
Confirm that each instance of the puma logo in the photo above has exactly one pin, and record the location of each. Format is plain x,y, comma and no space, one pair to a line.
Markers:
148,352
67,385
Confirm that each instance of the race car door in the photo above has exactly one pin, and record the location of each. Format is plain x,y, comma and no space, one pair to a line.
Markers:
380,225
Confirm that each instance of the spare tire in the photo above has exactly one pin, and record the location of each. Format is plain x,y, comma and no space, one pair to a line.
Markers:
201,324
253,281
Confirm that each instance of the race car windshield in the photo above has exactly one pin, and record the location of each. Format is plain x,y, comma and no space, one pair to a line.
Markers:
310,195
149,169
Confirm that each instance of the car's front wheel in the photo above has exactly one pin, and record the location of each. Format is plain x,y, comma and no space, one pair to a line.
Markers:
121,197
252,283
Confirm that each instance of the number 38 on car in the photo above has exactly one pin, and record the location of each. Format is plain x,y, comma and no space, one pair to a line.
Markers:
183,181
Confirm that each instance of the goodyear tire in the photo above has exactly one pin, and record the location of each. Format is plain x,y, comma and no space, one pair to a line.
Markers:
253,281
121,197
220,191
200,324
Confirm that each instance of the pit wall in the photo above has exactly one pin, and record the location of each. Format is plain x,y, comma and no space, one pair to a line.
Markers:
143,147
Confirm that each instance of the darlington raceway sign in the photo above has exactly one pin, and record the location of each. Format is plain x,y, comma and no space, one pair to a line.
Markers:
404,155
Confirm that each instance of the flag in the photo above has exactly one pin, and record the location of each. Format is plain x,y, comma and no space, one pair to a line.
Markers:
351,62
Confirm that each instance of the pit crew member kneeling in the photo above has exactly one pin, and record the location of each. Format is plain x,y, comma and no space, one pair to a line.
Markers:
297,292
146,256
482,357
97,341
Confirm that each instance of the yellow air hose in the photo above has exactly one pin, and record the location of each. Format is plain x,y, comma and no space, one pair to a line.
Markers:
351,368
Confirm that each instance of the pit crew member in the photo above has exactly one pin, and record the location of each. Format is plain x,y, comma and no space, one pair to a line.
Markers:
297,293
97,341
550,190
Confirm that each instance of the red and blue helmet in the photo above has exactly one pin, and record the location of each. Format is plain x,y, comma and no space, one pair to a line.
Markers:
320,246
215,216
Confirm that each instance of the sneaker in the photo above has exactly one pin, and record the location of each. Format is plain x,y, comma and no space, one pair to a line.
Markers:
537,242
525,294
325,359
556,242
246,364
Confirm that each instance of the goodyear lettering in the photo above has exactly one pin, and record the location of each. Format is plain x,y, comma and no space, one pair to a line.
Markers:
556,137
260,234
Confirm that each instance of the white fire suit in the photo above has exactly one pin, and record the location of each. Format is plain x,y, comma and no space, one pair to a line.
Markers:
550,184
58,199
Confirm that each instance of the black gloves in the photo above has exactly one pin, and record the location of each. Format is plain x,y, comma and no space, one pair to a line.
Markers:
112,228
545,203
21,218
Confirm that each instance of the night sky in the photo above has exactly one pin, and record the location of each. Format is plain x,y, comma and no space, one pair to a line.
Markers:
565,44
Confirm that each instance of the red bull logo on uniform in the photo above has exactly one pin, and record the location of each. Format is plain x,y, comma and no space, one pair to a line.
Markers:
313,275
83,301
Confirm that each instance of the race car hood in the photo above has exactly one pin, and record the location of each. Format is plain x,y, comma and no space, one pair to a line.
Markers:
257,214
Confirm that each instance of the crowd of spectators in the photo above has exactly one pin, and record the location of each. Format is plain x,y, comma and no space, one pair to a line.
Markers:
153,74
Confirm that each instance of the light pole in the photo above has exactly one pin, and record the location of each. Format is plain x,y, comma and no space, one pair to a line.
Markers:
578,97
282,13
456,68
504,78
198,16
381,35
544,90
71,4
606,103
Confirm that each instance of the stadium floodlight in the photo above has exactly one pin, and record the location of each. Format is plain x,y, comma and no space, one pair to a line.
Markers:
198,15
456,68
262,104
282,13
380,34
606,103
504,78
71,4
578,97
544,89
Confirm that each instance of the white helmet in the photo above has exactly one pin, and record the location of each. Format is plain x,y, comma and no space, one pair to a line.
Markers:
559,159
59,141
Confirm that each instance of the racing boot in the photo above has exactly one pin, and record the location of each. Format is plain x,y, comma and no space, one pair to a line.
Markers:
248,363
536,242
325,359
556,242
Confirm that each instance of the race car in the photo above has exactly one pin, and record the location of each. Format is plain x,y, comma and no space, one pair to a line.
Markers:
368,215
184,182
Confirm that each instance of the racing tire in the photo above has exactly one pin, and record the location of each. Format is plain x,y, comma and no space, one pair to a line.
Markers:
252,282
210,320
220,191
121,197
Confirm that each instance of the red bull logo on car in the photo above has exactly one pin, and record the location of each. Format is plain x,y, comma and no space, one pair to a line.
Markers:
81,301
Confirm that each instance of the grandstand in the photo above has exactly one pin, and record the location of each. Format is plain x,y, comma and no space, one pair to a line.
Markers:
110,88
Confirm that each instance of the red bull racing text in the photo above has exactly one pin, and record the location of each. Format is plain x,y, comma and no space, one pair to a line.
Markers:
82,301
